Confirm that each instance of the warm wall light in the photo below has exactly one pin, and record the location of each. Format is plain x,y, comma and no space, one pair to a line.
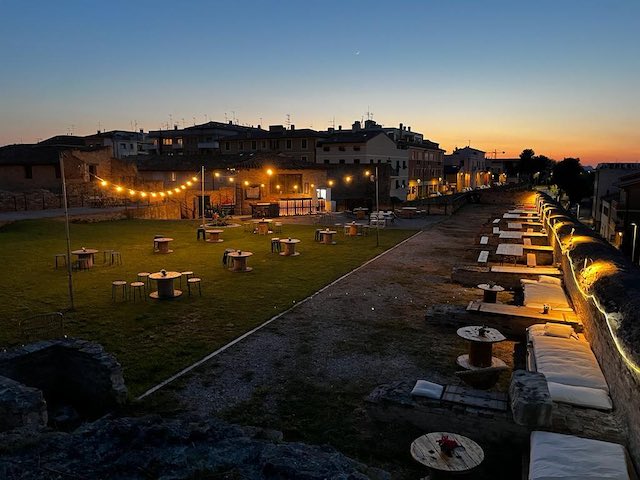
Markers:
278,187
347,179
269,172
231,179
217,174
367,173
330,182
246,183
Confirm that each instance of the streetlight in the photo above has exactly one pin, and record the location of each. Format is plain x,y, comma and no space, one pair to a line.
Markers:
633,247
374,177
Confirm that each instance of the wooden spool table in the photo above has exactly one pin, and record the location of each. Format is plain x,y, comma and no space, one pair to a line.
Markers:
163,244
165,285
490,292
86,255
481,340
289,247
239,259
464,458
327,236
214,236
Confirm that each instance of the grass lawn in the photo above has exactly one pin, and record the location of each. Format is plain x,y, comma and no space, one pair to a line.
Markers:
155,339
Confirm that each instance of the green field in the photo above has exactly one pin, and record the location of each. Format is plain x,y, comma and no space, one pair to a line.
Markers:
154,339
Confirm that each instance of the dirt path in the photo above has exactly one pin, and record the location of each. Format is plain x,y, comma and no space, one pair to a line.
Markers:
307,373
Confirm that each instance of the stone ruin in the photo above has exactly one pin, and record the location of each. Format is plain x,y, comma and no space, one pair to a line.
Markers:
58,383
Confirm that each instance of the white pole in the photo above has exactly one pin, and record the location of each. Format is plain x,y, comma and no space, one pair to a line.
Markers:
202,182
633,247
377,211
66,225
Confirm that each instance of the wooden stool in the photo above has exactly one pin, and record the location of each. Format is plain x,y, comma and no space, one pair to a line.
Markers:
137,287
106,254
144,277
318,236
114,288
225,256
116,258
277,227
200,231
155,244
275,245
62,256
187,274
194,281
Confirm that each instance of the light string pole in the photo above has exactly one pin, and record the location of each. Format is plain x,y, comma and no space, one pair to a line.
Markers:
66,225
633,245
202,197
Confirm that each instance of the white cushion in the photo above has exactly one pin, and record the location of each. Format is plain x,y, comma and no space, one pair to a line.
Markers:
548,279
536,295
567,361
558,330
581,396
566,457
427,389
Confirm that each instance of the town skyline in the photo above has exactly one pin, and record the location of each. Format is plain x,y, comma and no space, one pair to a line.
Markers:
560,79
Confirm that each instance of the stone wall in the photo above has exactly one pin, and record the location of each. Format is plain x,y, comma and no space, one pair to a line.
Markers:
605,290
164,211
69,371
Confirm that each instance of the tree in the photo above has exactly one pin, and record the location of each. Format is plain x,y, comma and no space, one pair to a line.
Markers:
571,178
535,167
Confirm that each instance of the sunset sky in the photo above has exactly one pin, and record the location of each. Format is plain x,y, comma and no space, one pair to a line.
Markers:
561,77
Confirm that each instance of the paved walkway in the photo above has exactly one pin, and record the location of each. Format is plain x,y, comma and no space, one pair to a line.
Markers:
54,212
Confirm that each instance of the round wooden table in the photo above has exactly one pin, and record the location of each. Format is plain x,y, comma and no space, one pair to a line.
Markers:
86,254
214,236
327,236
467,456
353,229
289,247
481,340
165,285
163,244
490,292
240,261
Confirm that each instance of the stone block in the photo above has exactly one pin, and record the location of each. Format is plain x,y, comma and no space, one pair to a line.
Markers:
531,403
21,406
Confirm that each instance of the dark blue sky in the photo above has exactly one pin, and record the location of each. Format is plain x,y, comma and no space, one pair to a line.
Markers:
558,76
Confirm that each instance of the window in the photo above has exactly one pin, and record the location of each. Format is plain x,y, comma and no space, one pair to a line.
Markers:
404,164
264,144
254,145
356,149
240,145
397,183
57,170
227,146
306,188
325,149
28,171
304,143
288,144
304,158
326,161
288,183
341,162
123,146
371,160
131,146
342,149
356,161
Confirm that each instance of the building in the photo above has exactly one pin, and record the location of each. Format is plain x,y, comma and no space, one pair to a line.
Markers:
300,144
503,170
122,143
368,146
473,169
605,183
201,139
629,214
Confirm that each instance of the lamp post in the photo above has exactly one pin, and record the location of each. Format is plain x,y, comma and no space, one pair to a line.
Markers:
372,178
633,246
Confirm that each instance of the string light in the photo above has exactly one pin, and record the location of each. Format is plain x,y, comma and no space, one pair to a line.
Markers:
133,192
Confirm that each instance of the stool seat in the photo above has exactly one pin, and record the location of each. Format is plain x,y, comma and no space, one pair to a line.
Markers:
139,287
186,274
137,284
194,281
63,256
114,288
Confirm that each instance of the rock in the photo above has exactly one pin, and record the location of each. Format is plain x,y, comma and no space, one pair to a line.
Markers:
21,406
531,403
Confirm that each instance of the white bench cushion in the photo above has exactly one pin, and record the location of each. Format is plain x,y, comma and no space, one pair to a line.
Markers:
427,389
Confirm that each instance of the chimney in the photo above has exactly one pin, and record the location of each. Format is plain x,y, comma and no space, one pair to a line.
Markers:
230,122
259,127
401,127
141,130
339,127
331,129
356,126
98,132
409,128
293,127
175,127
